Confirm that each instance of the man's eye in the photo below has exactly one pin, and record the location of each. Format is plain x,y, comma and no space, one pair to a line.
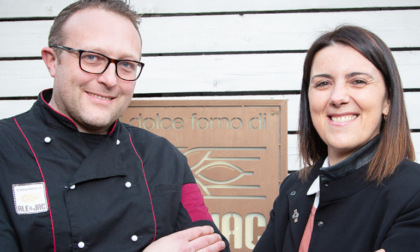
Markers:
91,57
127,66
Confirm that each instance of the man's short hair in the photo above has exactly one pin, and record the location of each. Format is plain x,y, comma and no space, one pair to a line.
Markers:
57,37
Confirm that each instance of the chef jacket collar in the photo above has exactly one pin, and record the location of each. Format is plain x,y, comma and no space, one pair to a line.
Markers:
55,118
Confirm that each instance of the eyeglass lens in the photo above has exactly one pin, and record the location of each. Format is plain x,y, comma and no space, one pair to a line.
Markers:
96,63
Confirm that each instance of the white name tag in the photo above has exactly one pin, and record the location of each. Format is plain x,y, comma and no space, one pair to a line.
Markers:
30,198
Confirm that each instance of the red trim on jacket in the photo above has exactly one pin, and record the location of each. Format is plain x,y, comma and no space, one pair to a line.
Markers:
147,185
43,179
42,97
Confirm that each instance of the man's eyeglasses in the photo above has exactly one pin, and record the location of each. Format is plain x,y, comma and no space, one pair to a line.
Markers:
97,63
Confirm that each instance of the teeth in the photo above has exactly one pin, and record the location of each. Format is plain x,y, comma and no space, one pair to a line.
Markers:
100,97
343,118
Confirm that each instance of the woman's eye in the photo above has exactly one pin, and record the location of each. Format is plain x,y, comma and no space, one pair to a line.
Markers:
321,84
358,82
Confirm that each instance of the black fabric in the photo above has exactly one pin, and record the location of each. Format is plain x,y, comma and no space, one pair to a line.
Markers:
355,161
98,191
353,215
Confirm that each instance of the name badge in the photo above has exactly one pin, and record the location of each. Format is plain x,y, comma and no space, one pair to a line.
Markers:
30,198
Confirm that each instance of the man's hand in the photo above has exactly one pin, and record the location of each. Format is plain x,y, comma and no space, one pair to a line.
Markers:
201,239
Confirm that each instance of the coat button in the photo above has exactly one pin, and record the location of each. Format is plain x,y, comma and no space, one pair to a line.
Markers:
320,223
293,193
326,185
128,184
47,139
134,238
81,244
72,187
118,142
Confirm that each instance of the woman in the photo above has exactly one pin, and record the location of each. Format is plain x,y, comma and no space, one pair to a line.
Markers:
360,189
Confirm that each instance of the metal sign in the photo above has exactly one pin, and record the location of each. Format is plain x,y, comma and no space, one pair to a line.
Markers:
237,151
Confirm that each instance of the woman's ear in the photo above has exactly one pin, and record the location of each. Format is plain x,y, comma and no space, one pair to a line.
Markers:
50,59
385,110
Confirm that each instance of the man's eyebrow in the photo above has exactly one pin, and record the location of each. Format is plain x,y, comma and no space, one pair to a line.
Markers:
125,56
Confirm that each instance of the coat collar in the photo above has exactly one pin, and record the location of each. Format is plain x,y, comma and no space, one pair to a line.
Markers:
355,161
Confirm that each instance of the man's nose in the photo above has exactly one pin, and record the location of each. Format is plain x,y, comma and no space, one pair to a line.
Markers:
109,76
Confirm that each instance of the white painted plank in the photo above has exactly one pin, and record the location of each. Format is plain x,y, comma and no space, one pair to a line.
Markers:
416,142
408,64
30,8
49,8
187,6
23,38
271,31
293,161
412,103
249,72
9,108
23,78
218,73
221,33
210,73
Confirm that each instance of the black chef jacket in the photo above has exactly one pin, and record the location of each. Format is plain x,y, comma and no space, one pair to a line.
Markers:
63,190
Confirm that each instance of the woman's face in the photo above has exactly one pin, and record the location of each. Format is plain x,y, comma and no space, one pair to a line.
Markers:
347,98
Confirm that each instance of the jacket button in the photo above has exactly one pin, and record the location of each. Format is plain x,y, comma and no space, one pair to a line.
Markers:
118,142
81,244
320,223
72,187
128,184
134,238
47,139
326,185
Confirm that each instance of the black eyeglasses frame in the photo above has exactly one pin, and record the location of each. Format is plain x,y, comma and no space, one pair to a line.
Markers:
110,60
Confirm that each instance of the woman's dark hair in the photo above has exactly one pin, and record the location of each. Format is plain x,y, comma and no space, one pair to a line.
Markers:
395,143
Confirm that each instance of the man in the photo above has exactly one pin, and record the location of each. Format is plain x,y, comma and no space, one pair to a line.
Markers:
74,178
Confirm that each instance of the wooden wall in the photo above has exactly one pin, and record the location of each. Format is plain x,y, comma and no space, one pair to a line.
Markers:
218,49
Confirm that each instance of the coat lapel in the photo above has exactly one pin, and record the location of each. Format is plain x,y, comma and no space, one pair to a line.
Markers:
300,205
299,209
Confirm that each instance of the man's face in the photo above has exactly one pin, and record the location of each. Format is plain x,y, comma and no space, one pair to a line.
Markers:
94,101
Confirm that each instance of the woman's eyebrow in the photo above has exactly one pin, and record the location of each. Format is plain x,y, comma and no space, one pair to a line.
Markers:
321,75
349,75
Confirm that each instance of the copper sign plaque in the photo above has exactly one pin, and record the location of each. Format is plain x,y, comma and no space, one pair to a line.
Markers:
237,151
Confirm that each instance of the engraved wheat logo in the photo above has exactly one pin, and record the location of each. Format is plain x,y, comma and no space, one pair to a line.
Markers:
222,168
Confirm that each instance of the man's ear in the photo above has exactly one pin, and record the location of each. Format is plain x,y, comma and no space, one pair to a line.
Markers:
50,59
